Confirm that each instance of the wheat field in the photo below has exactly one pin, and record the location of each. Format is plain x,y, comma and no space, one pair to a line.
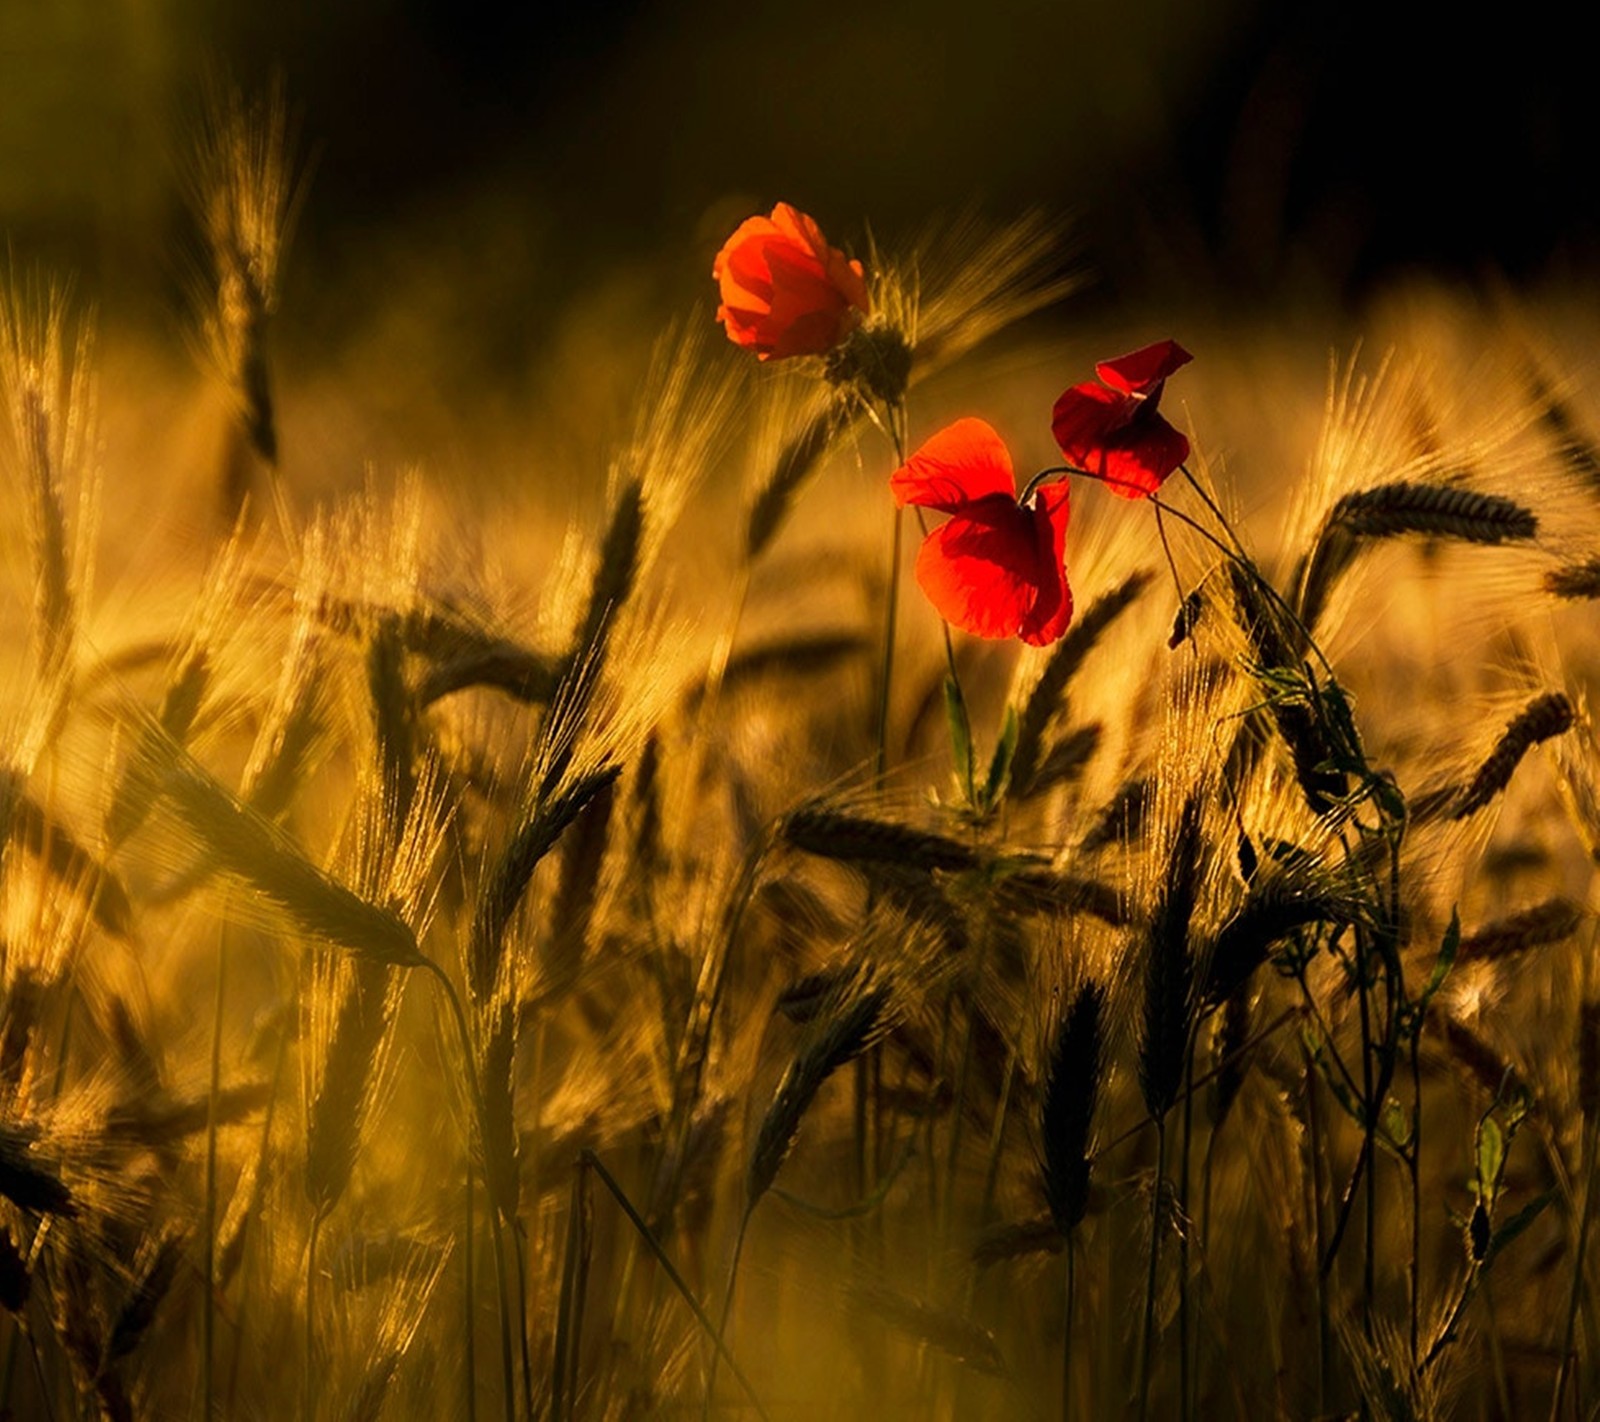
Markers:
473,951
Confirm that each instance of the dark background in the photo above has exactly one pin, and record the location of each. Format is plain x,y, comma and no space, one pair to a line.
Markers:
1246,148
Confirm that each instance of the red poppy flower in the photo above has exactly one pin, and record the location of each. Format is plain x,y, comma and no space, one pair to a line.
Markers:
996,567
1113,429
785,291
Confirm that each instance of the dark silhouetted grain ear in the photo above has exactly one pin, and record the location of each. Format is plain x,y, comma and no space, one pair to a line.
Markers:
349,1077
1553,921
1276,646
15,1280
536,837
843,1029
1045,699
856,839
29,1181
617,571
789,471
1589,1060
1230,1060
150,1288
1393,510
1169,970
1071,1094
1541,719
1574,582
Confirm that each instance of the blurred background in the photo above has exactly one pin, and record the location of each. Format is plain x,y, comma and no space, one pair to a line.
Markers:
1256,143
486,180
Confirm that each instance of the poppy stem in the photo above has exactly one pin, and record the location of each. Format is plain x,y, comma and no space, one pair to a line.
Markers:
1211,504
891,424
964,731
1172,565
1235,553
1037,482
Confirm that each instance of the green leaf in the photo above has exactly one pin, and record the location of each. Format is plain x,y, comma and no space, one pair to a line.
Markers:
955,714
1518,1223
1490,1148
1394,1127
1443,963
1335,1084
1000,763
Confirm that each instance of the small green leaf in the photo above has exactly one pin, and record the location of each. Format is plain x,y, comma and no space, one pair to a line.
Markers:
1000,763
1335,1084
1394,1127
1490,1149
1518,1223
1442,964
955,712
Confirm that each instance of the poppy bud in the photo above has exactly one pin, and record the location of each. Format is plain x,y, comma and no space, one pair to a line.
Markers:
785,291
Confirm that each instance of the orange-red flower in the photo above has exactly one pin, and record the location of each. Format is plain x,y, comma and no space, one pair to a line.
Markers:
1114,430
996,568
785,291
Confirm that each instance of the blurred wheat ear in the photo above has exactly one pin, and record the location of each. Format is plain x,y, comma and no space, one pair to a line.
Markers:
245,192
50,404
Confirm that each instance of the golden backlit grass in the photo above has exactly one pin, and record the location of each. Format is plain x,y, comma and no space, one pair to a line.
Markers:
457,960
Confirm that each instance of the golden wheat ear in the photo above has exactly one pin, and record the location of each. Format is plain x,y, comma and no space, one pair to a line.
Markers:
245,188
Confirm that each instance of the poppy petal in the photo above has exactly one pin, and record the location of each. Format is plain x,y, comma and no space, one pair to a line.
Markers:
963,463
748,238
1117,438
785,291
979,576
1051,614
1137,462
1140,371
846,278
1085,417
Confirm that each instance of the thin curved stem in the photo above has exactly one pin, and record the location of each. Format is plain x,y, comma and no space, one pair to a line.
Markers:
1233,554
894,418
727,1312
1066,1342
1591,1139
1147,1332
480,1113
208,1309
677,1279
311,1318
470,1295
880,730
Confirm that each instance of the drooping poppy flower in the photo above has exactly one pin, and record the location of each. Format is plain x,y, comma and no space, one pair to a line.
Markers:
1114,429
785,291
996,567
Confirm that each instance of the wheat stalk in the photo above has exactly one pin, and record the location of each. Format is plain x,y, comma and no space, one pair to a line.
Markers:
1576,582
1169,968
1044,700
1072,1084
1552,921
860,840
841,1031
1395,510
251,848
1548,715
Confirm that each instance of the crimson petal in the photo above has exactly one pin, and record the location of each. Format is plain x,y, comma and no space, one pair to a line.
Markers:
1141,371
980,575
1117,438
963,463
1051,614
